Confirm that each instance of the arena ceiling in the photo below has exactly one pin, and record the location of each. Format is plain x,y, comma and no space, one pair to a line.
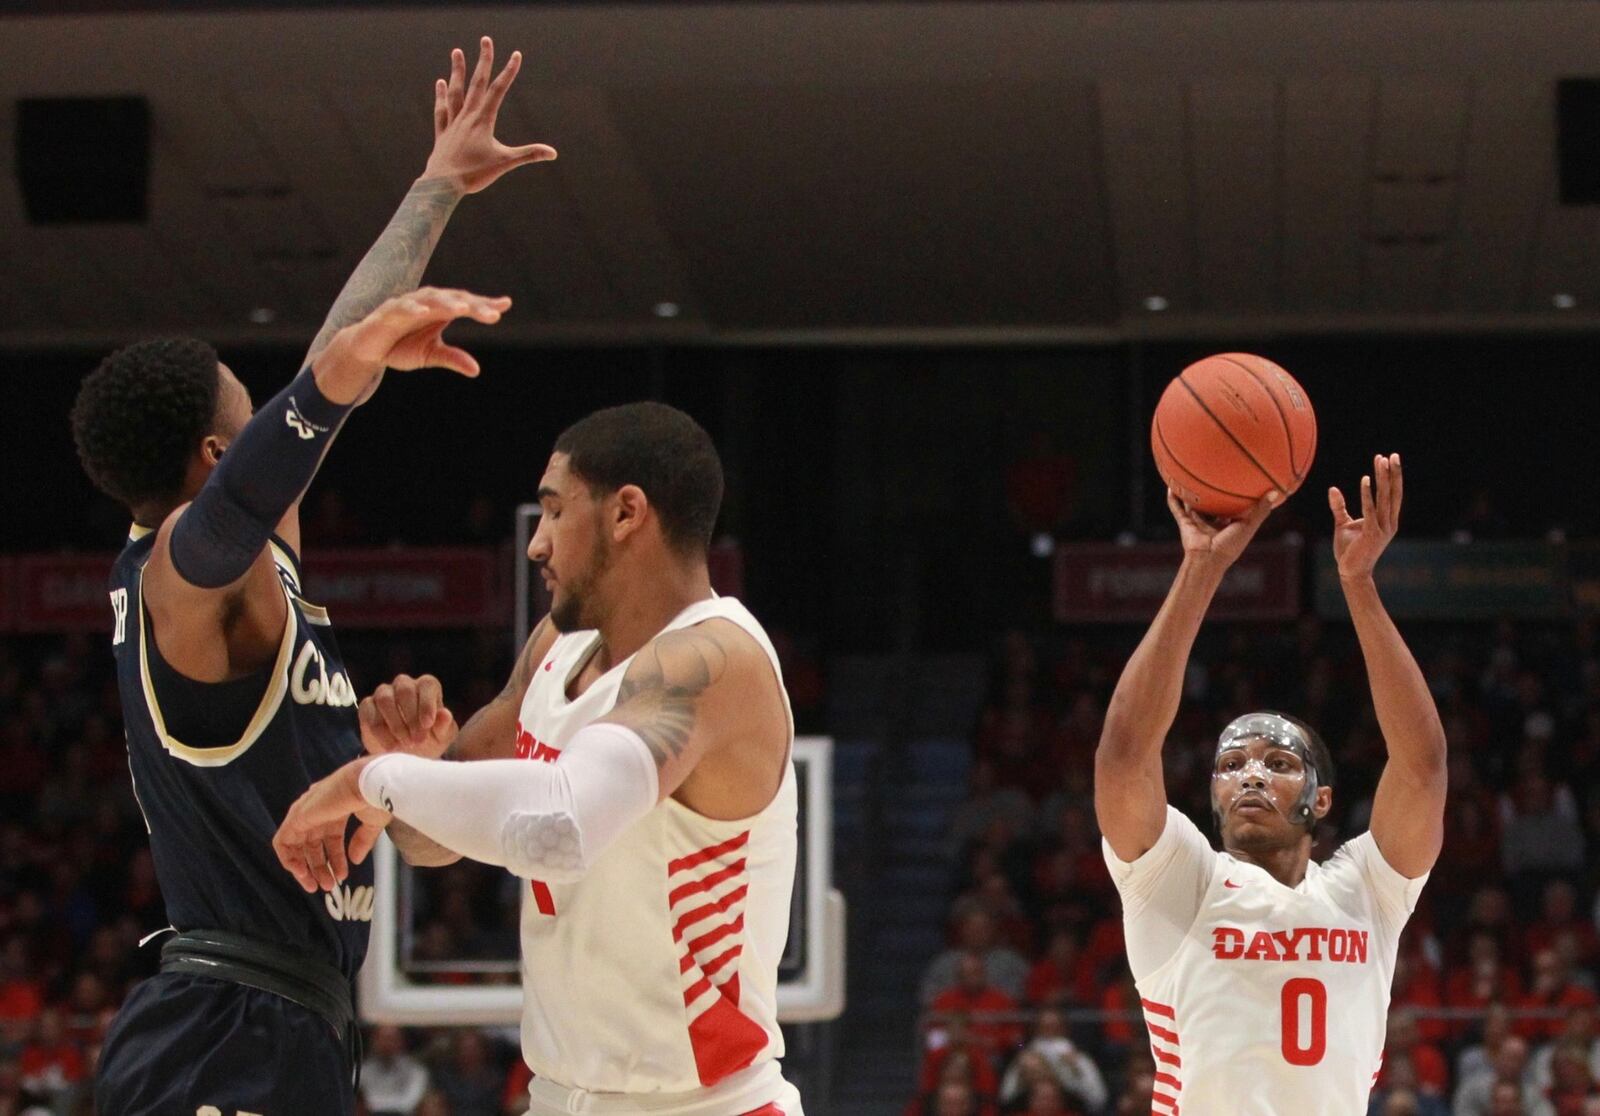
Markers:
841,171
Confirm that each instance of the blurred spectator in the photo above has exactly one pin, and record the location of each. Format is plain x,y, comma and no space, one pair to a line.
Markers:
1138,1089
1558,915
1416,986
1010,737
1540,830
392,1081
1553,989
1068,1066
987,803
1006,969
1572,1085
956,1059
15,1098
1476,1058
21,992
50,1065
974,997
1062,975
1580,1028
1408,1061
468,1080
1508,1065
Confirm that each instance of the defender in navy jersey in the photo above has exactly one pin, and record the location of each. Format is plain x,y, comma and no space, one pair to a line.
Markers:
233,691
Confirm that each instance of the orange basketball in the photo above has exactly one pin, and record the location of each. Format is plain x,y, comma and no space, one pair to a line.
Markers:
1231,428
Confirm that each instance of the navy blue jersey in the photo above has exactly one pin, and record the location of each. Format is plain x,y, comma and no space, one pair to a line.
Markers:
217,765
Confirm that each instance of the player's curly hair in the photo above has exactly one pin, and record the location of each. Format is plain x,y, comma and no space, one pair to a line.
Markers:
140,413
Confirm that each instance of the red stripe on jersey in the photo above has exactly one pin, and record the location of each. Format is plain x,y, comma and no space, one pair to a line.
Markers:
1158,1009
723,1038
1168,1079
766,1110
720,876
719,962
1167,1057
542,897
1162,1098
716,906
1163,1034
716,935
711,853
696,990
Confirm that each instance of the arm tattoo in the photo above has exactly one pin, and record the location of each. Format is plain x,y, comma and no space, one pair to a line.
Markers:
511,695
660,693
395,262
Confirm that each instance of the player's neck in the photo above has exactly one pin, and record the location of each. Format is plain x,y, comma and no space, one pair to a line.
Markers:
1284,863
639,617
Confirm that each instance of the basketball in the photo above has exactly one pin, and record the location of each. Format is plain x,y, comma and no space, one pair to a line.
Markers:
1231,428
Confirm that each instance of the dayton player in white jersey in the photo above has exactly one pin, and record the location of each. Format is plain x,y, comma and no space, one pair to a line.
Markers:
636,771
1264,977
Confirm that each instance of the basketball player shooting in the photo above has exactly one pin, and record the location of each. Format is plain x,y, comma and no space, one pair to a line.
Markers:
233,692
1264,977
656,819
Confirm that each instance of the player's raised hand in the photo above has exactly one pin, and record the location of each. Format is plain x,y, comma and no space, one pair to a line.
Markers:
1210,540
407,715
464,113
310,842
1357,543
404,333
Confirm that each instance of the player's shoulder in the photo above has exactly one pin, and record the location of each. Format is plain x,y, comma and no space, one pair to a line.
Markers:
719,646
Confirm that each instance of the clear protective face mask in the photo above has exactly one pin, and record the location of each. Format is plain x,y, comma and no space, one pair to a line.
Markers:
1270,773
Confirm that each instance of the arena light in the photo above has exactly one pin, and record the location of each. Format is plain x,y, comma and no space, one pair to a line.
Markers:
1155,303
1563,301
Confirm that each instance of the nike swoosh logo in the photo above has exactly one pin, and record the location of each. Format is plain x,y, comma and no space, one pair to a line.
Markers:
1230,883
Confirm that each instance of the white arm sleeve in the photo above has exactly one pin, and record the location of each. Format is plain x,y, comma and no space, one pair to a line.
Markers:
1162,891
547,821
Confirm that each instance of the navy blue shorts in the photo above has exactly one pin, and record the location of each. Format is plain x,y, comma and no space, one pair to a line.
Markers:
187,1045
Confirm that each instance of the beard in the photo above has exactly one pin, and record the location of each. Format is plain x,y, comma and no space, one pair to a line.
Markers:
570,614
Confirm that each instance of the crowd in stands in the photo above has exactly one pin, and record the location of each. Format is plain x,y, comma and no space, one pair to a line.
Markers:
1031,1008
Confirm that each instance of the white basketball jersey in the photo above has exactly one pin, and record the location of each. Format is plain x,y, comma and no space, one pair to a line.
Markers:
657,972
1262,999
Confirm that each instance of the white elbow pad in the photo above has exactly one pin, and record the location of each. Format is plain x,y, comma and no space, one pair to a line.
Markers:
545,821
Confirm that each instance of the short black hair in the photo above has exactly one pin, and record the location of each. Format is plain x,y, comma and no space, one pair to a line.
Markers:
140,413
663,451
1321,758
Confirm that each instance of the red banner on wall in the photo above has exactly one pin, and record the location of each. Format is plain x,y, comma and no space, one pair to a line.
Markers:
441,587
1104,582
438,587
58,593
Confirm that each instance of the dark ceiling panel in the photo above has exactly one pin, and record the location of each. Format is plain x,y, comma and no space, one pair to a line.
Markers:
903,205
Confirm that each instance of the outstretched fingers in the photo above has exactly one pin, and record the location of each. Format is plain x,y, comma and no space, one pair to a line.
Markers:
501,85
457,93
480,73
441,107
1336,504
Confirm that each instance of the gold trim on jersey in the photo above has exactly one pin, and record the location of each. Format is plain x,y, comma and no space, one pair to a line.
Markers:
277,686
137,531
315,613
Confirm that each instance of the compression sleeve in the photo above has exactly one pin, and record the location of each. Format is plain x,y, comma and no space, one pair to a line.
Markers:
547,821
264,472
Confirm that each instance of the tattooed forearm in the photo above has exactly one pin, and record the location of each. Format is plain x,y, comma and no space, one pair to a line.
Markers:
395,262
660,693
